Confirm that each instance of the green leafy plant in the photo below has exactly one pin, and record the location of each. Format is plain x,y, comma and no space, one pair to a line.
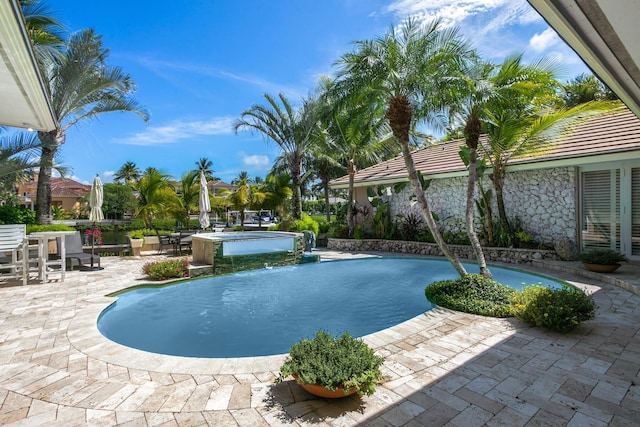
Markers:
560,309
334,362
474,294
306,223
35,228
136,234
602,257
170,269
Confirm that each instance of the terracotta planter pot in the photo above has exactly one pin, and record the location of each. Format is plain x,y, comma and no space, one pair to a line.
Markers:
601,268
320,391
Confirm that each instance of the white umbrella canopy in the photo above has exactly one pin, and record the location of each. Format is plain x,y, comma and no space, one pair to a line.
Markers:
95,200
204,203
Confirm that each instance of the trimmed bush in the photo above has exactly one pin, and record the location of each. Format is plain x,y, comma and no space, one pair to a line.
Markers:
170,269
560,309
473,294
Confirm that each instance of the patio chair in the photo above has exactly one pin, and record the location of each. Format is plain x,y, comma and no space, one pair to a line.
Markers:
163,241
74,253
14,250
184,240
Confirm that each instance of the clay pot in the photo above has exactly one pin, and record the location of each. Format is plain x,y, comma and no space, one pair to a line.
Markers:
320,391
601,268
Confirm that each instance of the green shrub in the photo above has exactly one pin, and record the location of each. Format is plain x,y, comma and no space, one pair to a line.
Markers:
170,269
334,362
602,256
35,228
474,294
560,309
306,223
12,214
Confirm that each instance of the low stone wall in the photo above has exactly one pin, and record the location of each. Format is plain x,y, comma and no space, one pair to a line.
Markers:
508,255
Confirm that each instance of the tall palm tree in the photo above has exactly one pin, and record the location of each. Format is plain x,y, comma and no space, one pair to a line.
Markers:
156,196
128,174
205,165
406,70
291,129
82,86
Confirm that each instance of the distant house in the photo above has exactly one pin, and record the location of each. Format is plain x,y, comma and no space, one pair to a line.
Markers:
216,187
65,193
585,189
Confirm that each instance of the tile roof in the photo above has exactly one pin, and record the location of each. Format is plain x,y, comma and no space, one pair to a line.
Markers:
616,132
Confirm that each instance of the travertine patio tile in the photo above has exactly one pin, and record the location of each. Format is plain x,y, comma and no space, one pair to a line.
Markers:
156,399
220,419
199,398
177,399
248,417
219,398
96,398
240,397
402,413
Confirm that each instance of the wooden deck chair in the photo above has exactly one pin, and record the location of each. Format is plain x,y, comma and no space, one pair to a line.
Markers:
14,252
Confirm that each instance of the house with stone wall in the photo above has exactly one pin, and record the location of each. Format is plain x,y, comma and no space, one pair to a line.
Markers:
583,191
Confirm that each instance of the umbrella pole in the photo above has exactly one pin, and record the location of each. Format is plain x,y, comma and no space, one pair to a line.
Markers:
93,239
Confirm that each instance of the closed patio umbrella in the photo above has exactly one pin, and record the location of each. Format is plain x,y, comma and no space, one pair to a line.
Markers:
204,203
96,215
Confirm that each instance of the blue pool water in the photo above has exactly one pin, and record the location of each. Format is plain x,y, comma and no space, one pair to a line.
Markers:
262,312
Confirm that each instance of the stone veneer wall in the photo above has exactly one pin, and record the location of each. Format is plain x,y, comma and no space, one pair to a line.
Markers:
543,199
509,255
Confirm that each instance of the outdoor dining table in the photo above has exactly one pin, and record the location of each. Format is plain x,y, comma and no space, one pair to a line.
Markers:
43,237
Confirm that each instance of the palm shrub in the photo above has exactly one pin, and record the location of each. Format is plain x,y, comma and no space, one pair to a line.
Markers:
334,362
560,309
473,293
602,256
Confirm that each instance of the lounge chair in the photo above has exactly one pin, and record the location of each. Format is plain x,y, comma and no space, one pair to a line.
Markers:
74,253
163,241
14,259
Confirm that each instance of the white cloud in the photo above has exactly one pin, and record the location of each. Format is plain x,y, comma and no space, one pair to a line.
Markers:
544,40
179,131
108,174
256,161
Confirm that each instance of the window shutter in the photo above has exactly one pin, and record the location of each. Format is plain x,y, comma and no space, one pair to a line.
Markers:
635,211
600,222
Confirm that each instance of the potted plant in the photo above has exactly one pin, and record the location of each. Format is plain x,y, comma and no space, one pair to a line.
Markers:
136,239
602,260
333,367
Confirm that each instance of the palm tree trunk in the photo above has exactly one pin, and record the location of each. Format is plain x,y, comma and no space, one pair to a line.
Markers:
327,208
472,130
51,141
469,216
399,114
351,214
497,177
296,198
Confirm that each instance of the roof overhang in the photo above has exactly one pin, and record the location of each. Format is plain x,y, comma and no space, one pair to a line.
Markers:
604,34
25,102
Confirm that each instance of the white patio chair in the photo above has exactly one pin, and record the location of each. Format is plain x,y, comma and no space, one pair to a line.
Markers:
14,252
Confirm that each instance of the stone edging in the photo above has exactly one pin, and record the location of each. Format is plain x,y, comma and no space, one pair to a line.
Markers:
507,255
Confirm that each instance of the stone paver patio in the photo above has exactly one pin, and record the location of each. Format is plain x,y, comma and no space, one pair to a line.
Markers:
443,368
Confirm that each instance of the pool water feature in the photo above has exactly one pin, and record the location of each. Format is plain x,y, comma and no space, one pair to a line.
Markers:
262,312
230,252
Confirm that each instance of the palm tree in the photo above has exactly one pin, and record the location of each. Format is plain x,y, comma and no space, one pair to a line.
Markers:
406,71
45,31
129,173
277,188
189,195
514,133
205,165
156,196
291,129
82,86
239,198
359,134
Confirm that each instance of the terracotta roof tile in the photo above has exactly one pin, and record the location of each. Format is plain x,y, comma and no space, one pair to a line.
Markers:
609,133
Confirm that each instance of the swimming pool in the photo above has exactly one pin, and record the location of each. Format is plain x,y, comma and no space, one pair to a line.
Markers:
262,312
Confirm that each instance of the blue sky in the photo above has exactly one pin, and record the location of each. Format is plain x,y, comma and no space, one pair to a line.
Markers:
198,64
